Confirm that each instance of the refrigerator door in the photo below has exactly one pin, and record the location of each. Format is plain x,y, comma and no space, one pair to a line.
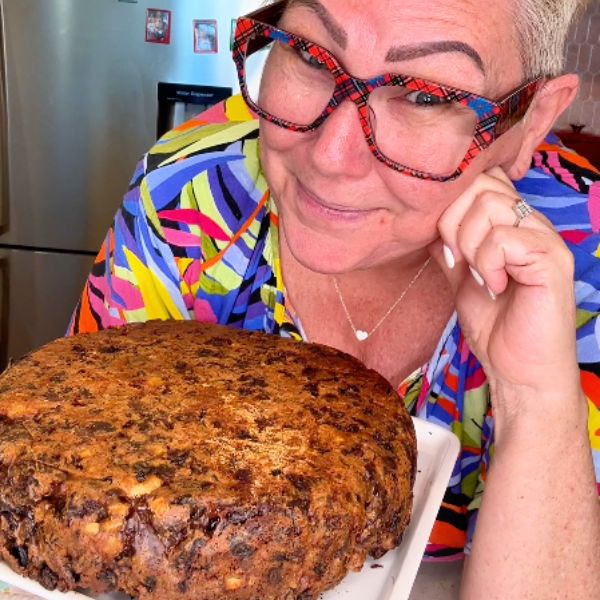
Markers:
38,292
3,308
78,118
81,95
3,133
81,89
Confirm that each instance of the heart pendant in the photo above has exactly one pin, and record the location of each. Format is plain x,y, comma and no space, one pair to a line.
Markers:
361,335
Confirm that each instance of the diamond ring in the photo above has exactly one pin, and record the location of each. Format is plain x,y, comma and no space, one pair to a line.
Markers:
522,209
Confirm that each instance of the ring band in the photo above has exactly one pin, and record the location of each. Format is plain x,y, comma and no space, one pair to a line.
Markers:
522,209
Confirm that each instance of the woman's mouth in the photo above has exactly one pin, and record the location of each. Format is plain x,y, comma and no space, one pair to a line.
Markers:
314,206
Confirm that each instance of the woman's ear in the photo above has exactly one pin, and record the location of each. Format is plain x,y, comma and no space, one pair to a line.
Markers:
549,103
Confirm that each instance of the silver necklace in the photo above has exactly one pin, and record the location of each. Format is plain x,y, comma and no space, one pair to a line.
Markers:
361,334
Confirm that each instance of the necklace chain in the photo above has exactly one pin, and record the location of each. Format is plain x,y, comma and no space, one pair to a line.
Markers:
362,335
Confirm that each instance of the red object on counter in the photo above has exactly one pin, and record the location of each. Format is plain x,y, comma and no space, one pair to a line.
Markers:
586,144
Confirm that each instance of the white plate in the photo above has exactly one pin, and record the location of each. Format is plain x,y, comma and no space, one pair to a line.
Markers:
393,577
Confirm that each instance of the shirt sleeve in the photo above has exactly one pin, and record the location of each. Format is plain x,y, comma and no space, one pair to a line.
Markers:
136,276
194,198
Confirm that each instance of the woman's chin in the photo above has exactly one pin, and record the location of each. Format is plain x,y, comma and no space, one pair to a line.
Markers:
324,253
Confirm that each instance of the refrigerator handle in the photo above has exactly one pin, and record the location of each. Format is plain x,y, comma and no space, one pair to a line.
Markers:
4,216
4,308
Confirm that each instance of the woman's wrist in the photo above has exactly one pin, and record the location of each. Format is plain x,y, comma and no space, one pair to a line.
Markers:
523,411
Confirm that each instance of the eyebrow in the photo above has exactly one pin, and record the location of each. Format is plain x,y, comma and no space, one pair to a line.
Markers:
396,53
337,32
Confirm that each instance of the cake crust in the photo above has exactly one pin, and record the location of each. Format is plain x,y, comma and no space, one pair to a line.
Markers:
180,460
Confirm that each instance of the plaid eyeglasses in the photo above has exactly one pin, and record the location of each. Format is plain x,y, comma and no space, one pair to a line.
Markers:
417,127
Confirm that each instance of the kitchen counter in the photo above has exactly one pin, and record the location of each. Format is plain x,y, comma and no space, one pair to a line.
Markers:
434,582
437,581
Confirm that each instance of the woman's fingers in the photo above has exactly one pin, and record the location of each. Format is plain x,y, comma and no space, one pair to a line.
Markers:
528,272
450,222
488,204
489,212
531,257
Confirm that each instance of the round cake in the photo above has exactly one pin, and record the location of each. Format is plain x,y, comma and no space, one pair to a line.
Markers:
178,460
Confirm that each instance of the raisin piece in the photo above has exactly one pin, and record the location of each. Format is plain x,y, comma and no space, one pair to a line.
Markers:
238,517
20,554
48,578
142,470
108,577
319,570
109,349
186,559
262,423
309,372
178,457
240,549
150,583
300,482
100,427
219,341
205,352
57,502
274,577
301,503
243,475
211,525
312,388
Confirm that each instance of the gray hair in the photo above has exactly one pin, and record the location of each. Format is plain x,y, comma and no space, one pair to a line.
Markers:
541,29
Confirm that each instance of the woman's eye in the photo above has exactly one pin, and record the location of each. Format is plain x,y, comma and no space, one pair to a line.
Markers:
424,99
309,59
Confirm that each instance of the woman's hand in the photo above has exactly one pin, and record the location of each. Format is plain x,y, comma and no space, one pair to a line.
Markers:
513,288
541,480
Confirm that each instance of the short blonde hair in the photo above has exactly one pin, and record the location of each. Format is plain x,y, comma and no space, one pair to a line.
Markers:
542,27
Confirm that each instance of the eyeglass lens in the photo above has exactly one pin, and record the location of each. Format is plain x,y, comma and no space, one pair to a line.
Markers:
413,128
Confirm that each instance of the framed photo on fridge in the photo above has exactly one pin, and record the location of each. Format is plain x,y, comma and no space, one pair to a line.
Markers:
158,26
232,33
206,40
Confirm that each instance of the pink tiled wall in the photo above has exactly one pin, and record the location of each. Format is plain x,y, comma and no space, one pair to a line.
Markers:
583,57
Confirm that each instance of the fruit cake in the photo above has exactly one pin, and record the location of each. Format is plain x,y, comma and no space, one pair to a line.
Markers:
179,460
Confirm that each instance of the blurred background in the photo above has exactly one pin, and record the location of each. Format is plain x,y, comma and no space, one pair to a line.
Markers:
86,87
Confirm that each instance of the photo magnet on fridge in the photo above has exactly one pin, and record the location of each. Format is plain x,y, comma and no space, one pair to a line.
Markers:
205,36
232,34
158,26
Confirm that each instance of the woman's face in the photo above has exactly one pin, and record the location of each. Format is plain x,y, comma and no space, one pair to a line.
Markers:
340,208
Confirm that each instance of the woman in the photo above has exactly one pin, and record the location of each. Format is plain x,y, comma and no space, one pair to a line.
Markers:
411,250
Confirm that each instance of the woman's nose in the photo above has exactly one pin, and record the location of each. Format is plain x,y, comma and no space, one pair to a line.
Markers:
339,145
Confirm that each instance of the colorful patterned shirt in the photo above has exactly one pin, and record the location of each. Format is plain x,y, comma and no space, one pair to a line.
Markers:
197,238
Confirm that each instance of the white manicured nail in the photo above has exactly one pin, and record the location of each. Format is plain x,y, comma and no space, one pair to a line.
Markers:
449,257
492,295
476,276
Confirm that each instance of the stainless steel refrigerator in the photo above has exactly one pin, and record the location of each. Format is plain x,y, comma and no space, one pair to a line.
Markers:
78,107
